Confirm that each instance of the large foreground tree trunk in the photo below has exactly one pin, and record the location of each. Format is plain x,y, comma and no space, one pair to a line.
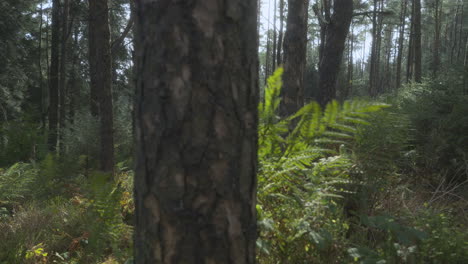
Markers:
101,78
334,30
196,131
295,49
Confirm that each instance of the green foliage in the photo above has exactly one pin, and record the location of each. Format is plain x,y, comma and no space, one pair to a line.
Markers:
447,241
80,137
104,216
48,218
304,172
438,112
16,182
20,140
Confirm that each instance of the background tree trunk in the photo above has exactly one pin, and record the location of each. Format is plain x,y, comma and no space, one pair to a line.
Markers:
280,33
333,44
63,70
275,41
101,78
410,59
437,29
401,38
295,50
417,42
350,61
54,76
196,130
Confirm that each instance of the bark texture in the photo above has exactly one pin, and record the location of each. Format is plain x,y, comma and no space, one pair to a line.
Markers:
295,49
101,79
333,32
196,131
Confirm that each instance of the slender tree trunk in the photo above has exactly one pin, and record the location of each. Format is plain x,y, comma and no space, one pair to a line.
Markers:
465,63
63,70
101,78
196,121
454,33
72,82
460,38
47,52
92,53
267,57
54,77
401,38
410,60
437,29
349,79
333,40
417,42
280,34
295,50
373,75
273,59
41,76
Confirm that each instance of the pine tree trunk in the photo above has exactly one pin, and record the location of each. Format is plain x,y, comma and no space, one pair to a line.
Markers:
333,43
63,70
41,76
410,60
401,38
417,42
295,50
460,38
280,34
437,29
196,130
101,78
54,77
349,76
273,59
73,90
373,55
465,63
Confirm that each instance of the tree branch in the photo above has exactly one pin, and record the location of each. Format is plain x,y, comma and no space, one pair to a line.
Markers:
116,43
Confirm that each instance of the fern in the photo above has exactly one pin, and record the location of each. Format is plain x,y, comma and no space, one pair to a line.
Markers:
303,170
104,215
16,182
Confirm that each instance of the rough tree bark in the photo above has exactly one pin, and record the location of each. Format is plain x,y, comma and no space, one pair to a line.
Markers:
101,79
334,31
294,58
196,131
54,77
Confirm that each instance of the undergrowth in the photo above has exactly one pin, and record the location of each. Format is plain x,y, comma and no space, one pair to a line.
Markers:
355,182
